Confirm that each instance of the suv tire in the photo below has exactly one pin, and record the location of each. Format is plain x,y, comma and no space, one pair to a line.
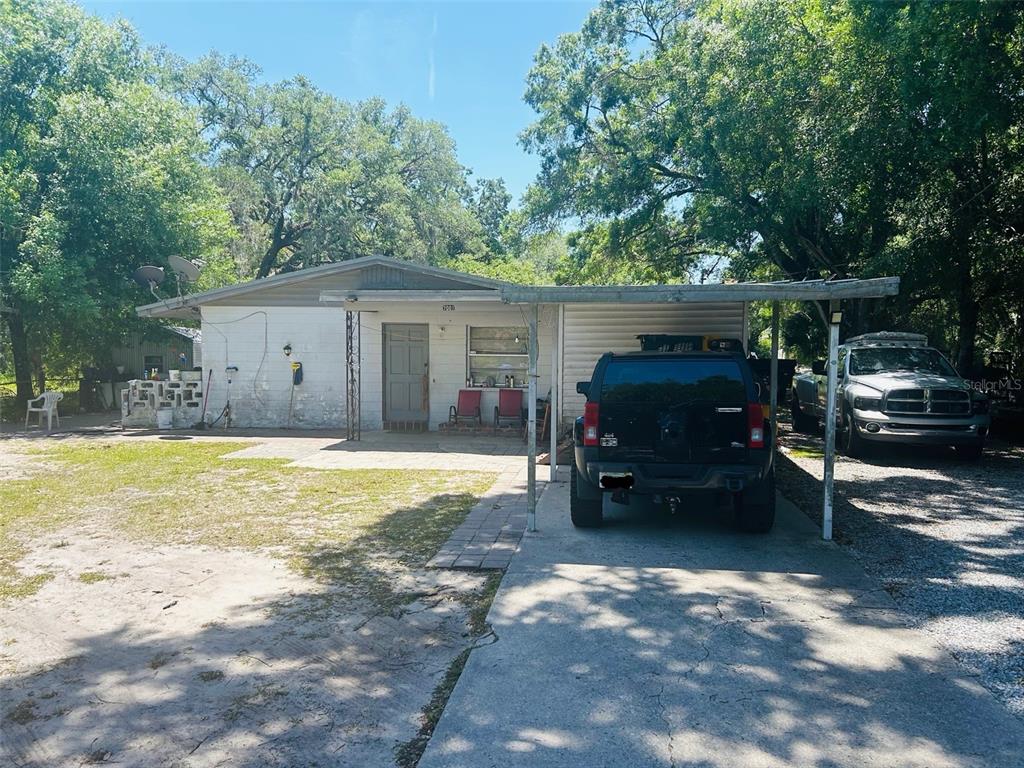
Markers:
757,516
801,421
585,513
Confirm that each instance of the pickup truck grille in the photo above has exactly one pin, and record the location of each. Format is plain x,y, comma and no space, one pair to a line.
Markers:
936,402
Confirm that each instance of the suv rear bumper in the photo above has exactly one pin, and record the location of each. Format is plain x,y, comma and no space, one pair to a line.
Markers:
665,478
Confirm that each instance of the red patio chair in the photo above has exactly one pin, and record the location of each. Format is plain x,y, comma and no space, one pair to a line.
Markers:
510,406
468,407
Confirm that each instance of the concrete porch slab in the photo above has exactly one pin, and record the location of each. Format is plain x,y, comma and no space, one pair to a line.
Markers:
384,450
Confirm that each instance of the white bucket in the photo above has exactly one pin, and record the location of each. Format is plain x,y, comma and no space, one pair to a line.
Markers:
164,418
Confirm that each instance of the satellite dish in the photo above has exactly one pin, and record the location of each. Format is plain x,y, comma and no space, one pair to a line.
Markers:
183,268
149,276
184,271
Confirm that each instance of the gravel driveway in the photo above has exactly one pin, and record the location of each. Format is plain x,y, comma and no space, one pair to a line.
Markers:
945,537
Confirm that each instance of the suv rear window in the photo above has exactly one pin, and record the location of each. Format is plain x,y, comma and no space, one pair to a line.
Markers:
673,381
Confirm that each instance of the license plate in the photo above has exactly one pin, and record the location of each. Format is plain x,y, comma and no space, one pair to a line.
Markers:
616,479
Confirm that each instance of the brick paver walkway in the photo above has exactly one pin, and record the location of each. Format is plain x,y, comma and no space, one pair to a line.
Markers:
489,535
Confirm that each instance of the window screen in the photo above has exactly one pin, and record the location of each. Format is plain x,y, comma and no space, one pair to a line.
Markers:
497,357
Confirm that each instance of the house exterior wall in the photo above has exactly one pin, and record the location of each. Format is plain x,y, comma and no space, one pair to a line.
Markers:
447,352
252,339
590,330
261,391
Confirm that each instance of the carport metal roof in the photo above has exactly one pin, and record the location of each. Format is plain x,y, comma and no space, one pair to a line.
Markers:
805,290
832,291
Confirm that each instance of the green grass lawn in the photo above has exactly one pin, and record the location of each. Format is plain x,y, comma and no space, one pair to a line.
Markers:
350,527
807,453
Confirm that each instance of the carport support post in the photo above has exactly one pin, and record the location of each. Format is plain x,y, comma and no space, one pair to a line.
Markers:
830,419
531,427
774,387
553,421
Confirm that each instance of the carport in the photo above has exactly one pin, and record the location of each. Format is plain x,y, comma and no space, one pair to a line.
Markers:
830,292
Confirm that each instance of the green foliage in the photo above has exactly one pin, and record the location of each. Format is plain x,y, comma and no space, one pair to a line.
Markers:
113,156
822,137
490,203
507,268
313,179
100,172
515,252
656,117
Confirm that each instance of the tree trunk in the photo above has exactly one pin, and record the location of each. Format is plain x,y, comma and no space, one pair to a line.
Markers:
21,357
968,310
40,375
269,259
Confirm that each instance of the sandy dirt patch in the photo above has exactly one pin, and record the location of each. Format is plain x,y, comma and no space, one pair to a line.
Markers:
197,657
158,653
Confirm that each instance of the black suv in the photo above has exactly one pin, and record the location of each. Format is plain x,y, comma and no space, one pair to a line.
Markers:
662,424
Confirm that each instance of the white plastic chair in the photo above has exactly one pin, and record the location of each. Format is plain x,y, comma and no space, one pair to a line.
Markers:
48,406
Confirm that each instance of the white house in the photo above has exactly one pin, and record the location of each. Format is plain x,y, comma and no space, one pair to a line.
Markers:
390,343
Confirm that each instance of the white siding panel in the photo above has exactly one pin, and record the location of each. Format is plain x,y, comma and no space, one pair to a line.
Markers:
590,330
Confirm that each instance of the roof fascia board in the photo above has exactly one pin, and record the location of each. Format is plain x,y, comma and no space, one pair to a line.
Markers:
160,308
669,294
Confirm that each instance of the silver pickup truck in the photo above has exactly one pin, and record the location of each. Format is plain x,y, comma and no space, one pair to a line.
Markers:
894,388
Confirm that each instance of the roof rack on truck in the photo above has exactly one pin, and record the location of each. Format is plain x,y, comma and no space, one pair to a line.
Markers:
889,338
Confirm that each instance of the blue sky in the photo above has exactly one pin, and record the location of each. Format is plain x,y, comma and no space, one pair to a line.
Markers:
462,63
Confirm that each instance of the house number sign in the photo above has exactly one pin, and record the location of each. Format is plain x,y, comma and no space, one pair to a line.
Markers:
447,307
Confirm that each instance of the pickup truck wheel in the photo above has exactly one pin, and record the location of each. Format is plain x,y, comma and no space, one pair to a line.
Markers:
971,451
801,421
585,513
759,516
853,443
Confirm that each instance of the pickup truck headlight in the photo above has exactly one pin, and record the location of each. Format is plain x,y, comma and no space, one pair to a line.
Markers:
979,403
867,403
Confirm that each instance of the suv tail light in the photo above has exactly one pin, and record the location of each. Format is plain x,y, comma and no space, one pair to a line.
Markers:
590,414
755,425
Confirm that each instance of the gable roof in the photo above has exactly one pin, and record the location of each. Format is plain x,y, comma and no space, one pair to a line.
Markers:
179,305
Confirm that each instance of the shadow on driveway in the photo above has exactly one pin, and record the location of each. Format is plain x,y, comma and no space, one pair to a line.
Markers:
946,539
684,643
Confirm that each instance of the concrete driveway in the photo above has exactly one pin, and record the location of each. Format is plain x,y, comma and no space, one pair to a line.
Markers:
651,643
